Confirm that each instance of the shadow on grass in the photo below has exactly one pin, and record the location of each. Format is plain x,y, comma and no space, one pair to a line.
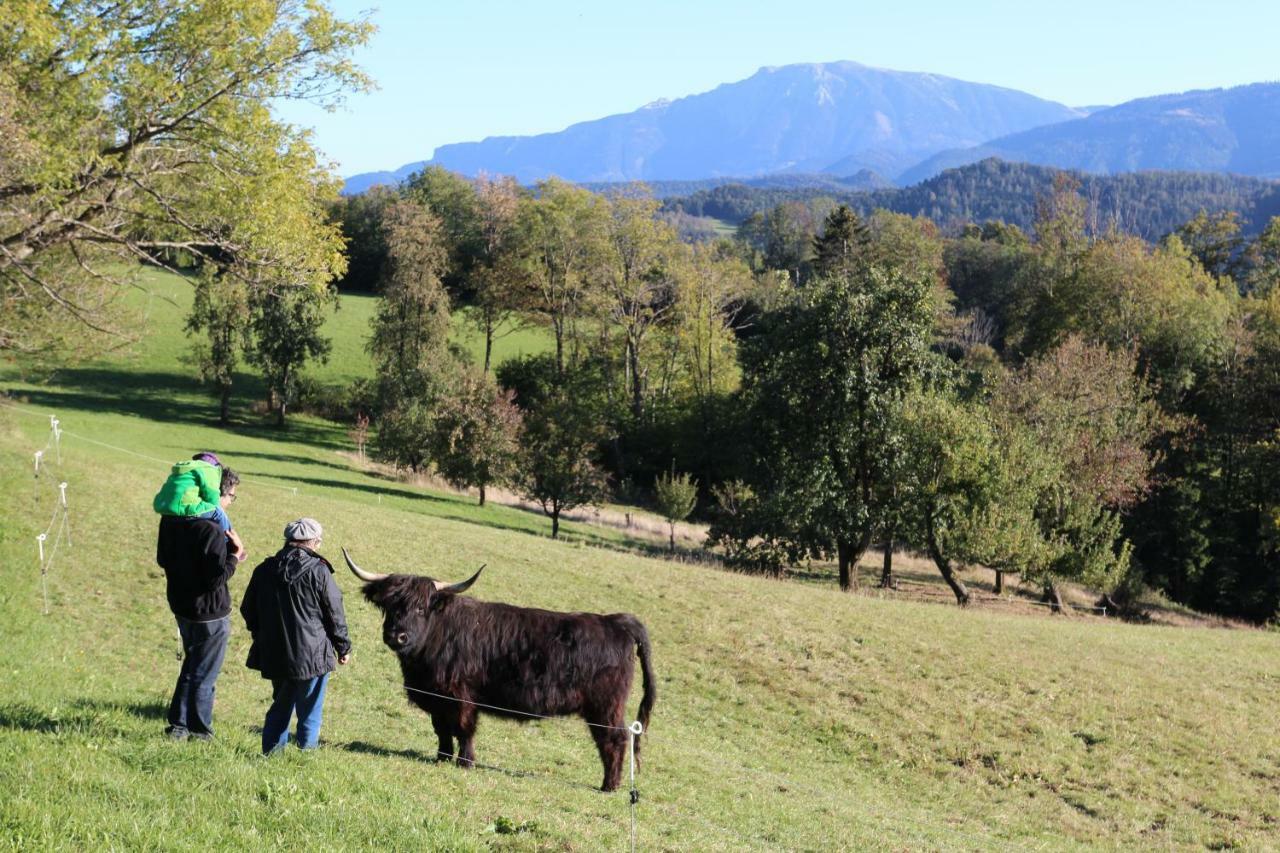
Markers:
27,718
292,458
168,398
415,755
386,752
84,716
141,710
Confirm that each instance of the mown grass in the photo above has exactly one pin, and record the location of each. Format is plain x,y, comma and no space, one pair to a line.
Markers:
789,716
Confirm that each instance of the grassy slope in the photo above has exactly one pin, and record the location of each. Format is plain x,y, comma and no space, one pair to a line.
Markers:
789,716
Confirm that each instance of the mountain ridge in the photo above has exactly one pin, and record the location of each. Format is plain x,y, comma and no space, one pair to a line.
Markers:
837,117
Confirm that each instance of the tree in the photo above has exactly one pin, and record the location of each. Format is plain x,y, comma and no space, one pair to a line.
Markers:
780,239
360,217
1214,240
1261,260
475,430
220,309
556,465
452,199
141,131
564,229
286,335
1092,418
410,340
675,495
842,243
562,429
638,260
822,384
411,329
498,280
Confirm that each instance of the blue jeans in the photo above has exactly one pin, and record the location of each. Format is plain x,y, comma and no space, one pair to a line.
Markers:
306,695
204,645
219,517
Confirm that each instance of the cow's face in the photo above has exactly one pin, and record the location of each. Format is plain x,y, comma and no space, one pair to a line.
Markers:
406,602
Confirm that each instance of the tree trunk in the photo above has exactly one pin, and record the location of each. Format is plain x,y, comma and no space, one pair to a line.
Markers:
633,367
672,525
999,590
482,494
1053,596
944,565
887,580
280,412
555,524
847,555
224,406
488,348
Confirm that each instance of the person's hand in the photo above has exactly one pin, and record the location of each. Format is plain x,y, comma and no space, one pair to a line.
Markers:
240,553
342,659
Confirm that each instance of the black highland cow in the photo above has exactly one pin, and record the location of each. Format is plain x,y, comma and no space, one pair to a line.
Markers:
532,662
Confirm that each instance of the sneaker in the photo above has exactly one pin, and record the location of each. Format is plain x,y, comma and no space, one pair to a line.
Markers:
176,733
202,736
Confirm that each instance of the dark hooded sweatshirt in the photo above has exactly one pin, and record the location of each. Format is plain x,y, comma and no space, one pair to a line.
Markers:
293,609
193,553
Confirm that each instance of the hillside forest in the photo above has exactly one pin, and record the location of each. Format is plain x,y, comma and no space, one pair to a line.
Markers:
1064,402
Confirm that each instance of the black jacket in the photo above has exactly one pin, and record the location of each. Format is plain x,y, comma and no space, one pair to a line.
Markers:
193,553
293,608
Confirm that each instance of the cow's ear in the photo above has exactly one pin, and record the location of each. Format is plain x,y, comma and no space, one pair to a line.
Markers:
380,592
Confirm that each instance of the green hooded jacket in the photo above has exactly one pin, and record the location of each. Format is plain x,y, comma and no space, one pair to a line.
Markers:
193,488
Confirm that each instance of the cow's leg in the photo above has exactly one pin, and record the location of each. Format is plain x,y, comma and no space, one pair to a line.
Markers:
466,731
612,745
444,733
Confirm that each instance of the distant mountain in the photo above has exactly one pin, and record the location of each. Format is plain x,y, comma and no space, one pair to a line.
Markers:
359,183
1148,204
839,118
863,180
1216,130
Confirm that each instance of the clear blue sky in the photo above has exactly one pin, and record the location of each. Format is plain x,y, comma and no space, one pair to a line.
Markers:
460,70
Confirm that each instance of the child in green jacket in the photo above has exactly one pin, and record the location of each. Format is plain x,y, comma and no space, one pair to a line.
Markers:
194,489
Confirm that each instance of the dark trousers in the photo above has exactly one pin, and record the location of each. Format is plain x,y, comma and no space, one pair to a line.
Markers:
306,696
204,645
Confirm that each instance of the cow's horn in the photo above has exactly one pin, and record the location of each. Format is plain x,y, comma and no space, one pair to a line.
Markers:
460,587
367,577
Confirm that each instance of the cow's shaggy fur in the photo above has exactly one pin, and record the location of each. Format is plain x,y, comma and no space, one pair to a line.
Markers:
530,662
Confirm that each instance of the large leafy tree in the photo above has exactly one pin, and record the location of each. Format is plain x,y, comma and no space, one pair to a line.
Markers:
565,231
1092,419
475,432
142,130
498,280
563,426
824,384
286,335
410,339
637,271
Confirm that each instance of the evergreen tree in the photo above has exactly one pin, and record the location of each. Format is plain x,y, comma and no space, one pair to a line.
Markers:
842,243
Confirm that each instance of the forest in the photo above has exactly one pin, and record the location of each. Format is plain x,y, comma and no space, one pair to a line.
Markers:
1062,402
1148,204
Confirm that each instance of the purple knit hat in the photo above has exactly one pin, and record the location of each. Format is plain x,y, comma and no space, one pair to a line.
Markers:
208,456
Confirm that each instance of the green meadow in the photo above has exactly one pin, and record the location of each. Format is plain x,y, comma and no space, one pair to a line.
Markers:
789,715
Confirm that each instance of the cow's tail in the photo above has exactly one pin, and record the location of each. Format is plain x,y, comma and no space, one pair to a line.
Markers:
641,636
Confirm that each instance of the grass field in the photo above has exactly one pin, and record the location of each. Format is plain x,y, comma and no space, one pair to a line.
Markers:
789,716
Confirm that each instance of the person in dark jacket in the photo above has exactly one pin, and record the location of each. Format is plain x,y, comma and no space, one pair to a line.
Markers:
293,609
198,560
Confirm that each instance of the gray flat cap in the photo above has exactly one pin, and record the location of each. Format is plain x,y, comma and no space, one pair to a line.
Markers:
302,530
